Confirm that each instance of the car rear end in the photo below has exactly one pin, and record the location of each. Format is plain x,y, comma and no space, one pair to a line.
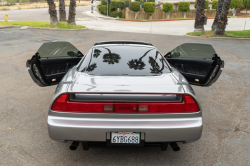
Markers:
100,118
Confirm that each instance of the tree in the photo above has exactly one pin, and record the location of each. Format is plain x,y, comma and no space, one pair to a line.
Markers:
218,12
62,12
246,4
52,12
214,4
149,7
200,16
235,4
72,12
167,8
222,19
137,64
184,6
111,58
135,6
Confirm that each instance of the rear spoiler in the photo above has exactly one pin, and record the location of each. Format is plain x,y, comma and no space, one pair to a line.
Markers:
123,42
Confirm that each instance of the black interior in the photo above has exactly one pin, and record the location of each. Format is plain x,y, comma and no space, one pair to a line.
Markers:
193,69
54,69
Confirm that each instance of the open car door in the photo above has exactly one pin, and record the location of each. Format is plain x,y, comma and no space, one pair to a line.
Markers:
52,61
198,63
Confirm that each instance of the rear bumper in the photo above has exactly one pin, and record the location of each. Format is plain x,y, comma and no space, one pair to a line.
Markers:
95,129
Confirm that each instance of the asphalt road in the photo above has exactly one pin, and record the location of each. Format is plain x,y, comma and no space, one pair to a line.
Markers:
24,138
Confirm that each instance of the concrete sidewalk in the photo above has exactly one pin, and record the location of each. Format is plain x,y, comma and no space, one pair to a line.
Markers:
161,27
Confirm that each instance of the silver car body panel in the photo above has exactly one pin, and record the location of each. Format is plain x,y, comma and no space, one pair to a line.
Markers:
169,127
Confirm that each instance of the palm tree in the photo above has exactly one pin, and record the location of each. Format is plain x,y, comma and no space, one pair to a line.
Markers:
96,53
222,20
62,11
52,12
218,12
137,64
111,58
200,15
72,12
155,66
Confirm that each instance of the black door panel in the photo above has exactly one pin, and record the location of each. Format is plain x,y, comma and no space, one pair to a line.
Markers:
198,63
52,61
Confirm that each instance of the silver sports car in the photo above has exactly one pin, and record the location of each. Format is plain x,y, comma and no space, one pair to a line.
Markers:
125,93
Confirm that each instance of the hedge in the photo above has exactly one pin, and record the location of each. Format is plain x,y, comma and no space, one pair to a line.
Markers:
121,4
149,7
214,4
103,2
168,7
116,13
134,6
236,4
246,3
102,9
151,1
113,6
184,6
206,4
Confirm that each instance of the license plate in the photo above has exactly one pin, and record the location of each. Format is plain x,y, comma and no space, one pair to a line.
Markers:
125,137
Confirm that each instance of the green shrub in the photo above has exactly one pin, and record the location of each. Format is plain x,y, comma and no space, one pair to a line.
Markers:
121,4
116,13
134,6
113,6
103,2
102,9
168,7
236,4
151,1
149,7
214,4
206,4
184,6
127,1
246,3
138,0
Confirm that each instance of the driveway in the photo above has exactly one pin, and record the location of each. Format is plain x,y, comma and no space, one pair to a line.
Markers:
24,106
96,21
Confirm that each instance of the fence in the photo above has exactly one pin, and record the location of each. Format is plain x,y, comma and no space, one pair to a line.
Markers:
159,14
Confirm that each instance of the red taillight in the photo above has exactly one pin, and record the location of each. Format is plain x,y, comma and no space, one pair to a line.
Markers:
63,104
190,104
60,104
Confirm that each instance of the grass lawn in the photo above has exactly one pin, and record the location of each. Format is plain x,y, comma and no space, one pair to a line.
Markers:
239,34
61,25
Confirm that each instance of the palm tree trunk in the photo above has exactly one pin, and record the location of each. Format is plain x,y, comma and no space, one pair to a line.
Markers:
62,11
222,20
52,12
218,12
200,16
72,12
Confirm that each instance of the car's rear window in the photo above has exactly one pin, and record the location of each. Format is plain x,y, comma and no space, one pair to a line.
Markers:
123,60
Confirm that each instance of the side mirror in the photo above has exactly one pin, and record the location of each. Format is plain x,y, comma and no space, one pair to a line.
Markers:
71,53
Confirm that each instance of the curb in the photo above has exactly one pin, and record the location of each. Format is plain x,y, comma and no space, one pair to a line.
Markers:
3,27
218,37
18,26
172,19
